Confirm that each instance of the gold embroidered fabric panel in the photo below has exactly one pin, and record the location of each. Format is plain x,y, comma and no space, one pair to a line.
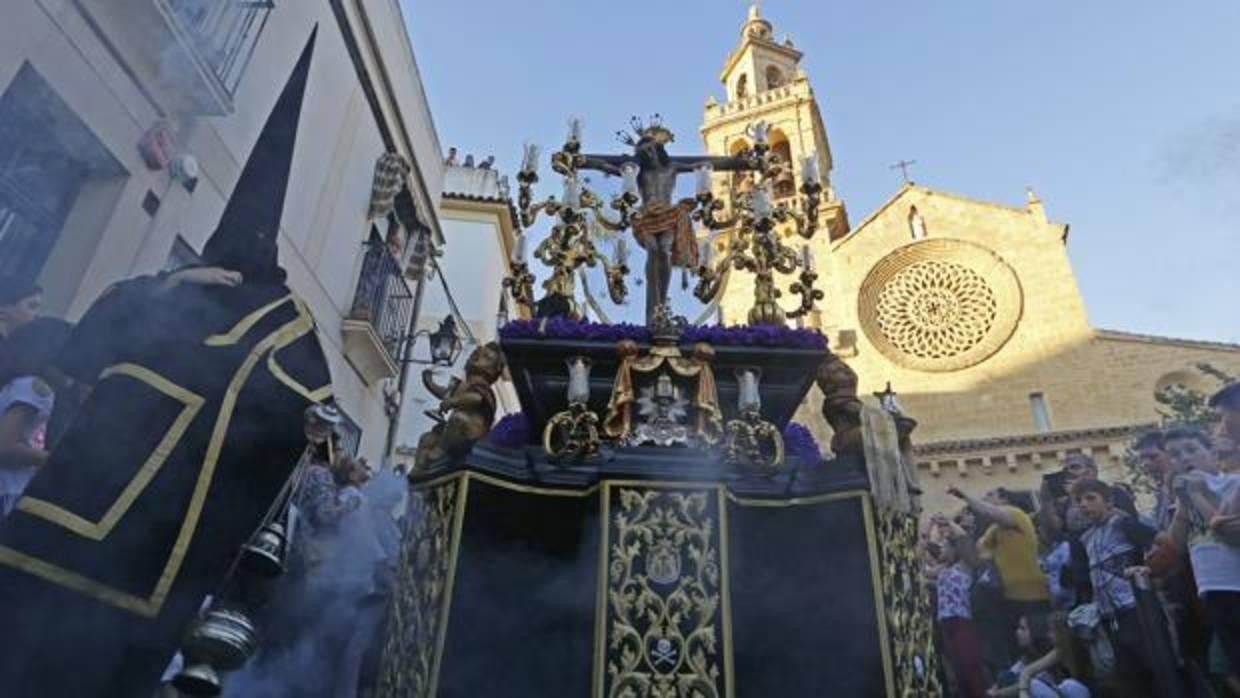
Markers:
414,642
907,603
663,628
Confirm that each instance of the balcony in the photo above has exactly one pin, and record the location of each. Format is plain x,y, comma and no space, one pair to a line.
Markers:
188,54
374,333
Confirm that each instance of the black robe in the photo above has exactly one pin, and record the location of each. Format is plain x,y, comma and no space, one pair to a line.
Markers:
194,424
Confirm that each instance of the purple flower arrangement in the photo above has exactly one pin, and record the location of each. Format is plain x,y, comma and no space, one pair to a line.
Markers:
799,443
580,330
716,335
754,335
511,431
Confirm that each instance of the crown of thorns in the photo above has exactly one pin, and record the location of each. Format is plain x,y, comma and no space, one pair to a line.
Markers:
650,130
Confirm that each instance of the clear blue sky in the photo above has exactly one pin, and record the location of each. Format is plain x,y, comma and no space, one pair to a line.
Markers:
1124,116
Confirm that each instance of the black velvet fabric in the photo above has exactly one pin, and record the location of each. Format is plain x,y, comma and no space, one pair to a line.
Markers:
522,616
66,631
803,615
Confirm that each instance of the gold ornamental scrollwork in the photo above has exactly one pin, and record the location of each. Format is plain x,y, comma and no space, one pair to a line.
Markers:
413,646
940,304
907,604
663,627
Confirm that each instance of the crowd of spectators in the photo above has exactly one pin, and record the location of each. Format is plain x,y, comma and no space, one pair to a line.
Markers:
1080,589
452,160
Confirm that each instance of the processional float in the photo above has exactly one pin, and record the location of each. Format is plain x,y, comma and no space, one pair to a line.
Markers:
652,523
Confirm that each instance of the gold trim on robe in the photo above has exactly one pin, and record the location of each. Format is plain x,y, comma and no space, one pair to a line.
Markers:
98,530
151,605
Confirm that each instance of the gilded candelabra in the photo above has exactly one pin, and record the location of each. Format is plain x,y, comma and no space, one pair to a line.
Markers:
573,434
580,220
752,227
754,243
749,439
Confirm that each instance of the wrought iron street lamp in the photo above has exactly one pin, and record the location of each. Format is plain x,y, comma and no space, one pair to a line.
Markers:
445,343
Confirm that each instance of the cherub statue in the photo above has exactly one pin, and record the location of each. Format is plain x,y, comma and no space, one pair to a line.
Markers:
466,409
840,404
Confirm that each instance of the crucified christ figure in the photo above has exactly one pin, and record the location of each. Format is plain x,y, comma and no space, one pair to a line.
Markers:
664,229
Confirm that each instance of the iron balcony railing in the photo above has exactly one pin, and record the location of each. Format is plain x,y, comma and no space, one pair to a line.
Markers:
225,32
383,299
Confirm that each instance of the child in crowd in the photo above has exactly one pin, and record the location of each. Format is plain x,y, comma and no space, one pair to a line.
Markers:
28,383
1114,543
1041,671
961,640
1205,522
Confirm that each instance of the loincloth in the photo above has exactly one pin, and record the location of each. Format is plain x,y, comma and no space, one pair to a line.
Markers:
661,219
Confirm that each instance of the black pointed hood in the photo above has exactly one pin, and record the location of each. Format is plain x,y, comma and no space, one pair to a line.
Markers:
247,236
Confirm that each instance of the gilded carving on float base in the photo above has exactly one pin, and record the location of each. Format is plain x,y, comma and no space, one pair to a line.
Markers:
940,305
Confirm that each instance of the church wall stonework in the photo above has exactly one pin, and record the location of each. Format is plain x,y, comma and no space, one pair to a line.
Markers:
968,308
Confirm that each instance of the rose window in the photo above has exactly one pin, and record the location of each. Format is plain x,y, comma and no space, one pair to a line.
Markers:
940,304
936,309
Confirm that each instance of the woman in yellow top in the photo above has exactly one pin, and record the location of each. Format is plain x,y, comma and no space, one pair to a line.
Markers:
1009,541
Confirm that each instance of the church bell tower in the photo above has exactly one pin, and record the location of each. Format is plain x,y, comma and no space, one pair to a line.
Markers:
763,81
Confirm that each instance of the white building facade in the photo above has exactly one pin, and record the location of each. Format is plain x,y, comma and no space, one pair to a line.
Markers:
124,125
480,226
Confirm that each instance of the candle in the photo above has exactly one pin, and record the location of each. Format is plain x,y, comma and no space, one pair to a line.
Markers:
518,250
759,131
809,170
807,258
703,179
760,202
578,379
663,386
629,172
704,253
529,163
572,192
621,254
749,398
574,129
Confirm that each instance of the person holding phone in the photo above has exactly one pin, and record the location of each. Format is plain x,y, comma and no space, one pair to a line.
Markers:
1007,550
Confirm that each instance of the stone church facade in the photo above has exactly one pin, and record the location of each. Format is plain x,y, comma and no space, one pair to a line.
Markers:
968,308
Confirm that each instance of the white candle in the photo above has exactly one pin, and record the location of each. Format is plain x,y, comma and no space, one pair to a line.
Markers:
807,258
518,250
629,172
760,202
703,179
809,170
759,131
705,252
574,129
747,385
572,192
530,162
621,255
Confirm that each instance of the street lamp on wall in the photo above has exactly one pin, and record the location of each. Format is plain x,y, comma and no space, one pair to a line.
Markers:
445,344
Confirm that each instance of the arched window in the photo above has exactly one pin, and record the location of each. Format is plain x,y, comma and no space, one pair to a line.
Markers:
785,185
742,86
1181,381
774,77
741,181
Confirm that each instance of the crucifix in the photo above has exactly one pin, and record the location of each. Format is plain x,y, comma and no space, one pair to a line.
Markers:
662,228
903,166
